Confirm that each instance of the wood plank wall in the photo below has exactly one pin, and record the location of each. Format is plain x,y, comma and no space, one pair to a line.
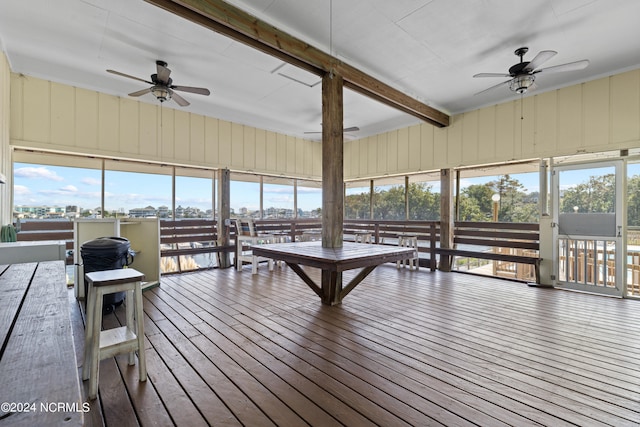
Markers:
599,115
52,116
596,116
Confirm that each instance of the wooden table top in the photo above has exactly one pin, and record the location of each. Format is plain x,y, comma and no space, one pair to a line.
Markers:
349,256
38,361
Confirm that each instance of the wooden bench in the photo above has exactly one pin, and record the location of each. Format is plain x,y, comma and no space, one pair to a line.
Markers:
200,235
36,231
516,236
38,367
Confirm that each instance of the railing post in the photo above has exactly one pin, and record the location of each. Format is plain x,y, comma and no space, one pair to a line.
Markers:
446,217
432,247
377,232
224,210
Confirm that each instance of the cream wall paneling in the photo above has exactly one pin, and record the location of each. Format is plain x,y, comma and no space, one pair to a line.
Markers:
600,115
596,116
55,117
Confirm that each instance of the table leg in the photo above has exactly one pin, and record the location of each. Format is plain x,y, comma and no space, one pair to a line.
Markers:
129,306
142,361
95,344
88,333
331,282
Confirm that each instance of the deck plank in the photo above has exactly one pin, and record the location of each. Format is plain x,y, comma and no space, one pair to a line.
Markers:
406,348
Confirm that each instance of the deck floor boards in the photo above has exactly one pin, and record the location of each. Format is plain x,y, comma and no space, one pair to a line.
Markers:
404,348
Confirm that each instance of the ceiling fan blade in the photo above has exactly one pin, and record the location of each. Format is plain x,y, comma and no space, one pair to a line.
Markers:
571,66
492,75
180,100
118,73
163,72
140,92
198,90
493,87
542,57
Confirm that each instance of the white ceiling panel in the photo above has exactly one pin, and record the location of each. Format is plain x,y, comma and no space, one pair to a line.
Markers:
429,49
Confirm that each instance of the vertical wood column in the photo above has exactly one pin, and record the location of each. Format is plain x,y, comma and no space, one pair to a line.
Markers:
224,215
446,216
332,161
372,200
406,198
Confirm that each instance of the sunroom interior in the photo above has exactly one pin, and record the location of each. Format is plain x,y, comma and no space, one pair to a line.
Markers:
553,344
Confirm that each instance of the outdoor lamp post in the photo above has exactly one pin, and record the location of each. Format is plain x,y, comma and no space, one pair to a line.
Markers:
495,198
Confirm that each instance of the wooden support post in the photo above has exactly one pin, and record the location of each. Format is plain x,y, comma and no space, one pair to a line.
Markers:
406,198
332,162
446,216
371,199
224,215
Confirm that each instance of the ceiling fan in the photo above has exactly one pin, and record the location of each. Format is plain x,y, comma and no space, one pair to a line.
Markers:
522,75
351,129
162,85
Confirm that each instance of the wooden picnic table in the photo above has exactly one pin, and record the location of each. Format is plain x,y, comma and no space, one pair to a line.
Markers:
332,262
38,368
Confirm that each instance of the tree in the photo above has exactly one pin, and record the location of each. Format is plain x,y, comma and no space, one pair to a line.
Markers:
423,204
478,207
356,206
633,201
389,204
470,210
515,205
595,195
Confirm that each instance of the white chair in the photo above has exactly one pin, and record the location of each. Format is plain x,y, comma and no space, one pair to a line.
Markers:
409,241
247,236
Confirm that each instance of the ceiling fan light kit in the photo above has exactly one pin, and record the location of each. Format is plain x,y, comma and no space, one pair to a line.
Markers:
161,93
520,84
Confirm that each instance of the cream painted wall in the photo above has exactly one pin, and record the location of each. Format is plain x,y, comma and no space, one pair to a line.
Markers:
600,115
596,116
52,116
5,149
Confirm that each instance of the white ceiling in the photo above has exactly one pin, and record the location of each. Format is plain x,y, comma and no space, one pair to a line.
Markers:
429,49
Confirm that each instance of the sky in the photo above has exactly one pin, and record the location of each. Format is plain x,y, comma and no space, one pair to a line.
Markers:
61,186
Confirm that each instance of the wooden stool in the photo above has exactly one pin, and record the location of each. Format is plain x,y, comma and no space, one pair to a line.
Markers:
362,237
409,241
99,344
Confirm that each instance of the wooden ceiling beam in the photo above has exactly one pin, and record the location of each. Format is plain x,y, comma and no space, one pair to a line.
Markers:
239,25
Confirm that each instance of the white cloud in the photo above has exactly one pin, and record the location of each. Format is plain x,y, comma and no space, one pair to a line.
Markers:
90,181
69,189
21,190
37,173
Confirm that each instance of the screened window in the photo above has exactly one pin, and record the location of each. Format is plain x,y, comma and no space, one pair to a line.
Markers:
44,191
278,199
309,199
357,201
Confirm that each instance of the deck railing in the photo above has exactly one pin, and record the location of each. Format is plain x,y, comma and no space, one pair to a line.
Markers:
191,244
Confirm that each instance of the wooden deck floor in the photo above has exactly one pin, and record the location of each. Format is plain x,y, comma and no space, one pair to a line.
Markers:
404,348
